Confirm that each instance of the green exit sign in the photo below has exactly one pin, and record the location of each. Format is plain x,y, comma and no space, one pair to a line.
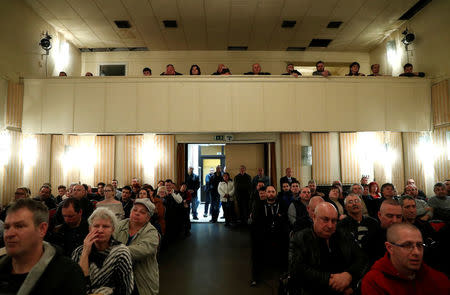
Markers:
219,137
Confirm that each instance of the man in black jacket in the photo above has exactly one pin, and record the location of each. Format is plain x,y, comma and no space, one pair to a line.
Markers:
31,265
288,177
193,184
242,191
323,260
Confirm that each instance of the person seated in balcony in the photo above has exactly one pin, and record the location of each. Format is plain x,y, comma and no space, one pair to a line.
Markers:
320,70
219,71
256,70
195,70
375,68
408,72
225,72
291,71
62,74
170,71
147,72
88,74
354,69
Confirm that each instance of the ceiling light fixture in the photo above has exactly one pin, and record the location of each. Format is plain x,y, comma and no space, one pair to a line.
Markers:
45,43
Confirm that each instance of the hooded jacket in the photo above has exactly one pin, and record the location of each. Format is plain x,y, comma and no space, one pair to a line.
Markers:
383,278
53,274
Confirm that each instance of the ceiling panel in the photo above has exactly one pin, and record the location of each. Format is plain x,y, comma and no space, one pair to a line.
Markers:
242,17
217,15
192,16
322,8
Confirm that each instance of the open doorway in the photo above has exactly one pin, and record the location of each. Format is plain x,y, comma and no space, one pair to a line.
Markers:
204,157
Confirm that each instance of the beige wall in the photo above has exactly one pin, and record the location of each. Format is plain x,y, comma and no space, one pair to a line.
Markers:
249,155
238,62
3,99
430,51
20,53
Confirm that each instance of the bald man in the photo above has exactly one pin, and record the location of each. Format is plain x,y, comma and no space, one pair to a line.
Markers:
323,260
401,270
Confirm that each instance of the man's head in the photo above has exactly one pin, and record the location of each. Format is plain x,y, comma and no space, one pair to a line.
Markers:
405,247
408,68
45,192
262,193
100,188
285,186
390,213
305,194
271,193
313,204
375,69
411,190
365,189
21,193
409,209
242,169
260,172
218,169
288,172
114,183
25,226
320,66
71,211
147,72
447,185
440,190
259,185
388,190
295,187
134,181
312,186
211,170
191,170
290,68
256,68
334,193
62,190
325,219
126,193
79,191
364,180
357,189
170,69
169,185
353,204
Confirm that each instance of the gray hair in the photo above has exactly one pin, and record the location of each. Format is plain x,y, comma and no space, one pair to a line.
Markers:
351,195
103,213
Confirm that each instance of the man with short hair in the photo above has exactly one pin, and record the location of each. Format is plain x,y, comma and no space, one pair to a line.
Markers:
285,195
320,70
260,177
256,70
45,193
207,190
409,210
440,202
62,190
193,184
388,191
420,194
288,177
313,188
390,213
78,192
127,201
290,70
32,266
357,188
73,231
424,211
297,211
147,71
170,71
242,191
375,68
401,271
100,194
323,260
115,184
311,207
408,72
363,229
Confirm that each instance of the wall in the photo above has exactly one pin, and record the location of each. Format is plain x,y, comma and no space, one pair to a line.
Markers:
3,99
238,62
250,155
429,52
20,53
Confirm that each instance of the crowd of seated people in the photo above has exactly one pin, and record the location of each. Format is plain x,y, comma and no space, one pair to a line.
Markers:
328,242
290,71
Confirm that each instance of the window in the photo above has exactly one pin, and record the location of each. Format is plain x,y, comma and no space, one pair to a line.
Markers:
112,70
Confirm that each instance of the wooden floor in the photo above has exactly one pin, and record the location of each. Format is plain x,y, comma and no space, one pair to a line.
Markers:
214,260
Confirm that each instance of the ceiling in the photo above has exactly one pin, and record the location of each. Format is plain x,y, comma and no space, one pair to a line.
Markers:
217,24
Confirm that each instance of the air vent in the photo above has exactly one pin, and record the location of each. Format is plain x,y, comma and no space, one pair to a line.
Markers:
237,48
320,42
122,24
110,49
415,9
288,23
291,48
334,25
170,23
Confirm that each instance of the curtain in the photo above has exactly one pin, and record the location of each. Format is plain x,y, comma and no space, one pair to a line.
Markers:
36,161
440,102
165,150
291,154
104,164
12,171
133,158
273,165
14,105
413,164
442,160
321,167
181,160
350,172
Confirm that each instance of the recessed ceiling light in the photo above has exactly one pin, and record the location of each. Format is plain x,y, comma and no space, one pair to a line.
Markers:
170,23
288,23
320,42
122,24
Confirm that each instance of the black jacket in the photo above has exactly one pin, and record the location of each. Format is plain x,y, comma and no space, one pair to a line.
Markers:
285,179
305,260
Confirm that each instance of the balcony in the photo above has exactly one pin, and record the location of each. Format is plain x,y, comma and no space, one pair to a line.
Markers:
225,104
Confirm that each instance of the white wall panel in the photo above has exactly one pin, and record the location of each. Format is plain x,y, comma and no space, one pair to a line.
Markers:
32,106
121,106
89,108
57,106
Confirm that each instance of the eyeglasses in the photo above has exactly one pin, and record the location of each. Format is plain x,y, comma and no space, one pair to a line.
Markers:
108,190
355,201
410,246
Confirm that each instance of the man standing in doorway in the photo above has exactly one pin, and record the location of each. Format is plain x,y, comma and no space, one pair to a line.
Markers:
243,188
193,183
208,191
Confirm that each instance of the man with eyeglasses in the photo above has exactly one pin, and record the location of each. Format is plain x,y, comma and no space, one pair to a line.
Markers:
363,229
401,270
323,260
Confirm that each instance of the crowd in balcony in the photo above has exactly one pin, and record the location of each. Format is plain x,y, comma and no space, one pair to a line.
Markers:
321,240
290,71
